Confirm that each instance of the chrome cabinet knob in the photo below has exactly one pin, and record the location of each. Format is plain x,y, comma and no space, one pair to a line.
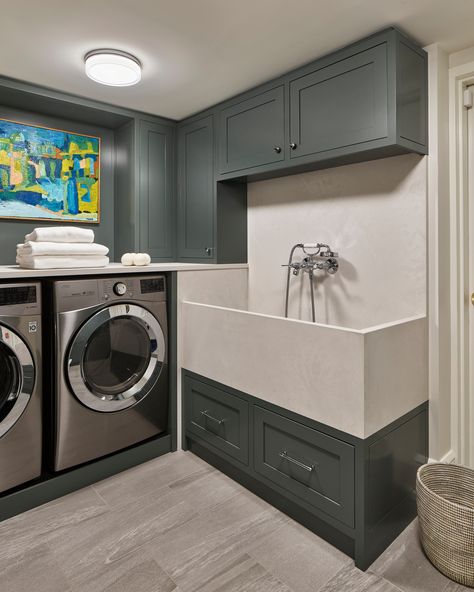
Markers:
277,149
208,251
293,146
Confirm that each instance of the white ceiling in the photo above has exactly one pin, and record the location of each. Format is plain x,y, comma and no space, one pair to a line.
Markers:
198,52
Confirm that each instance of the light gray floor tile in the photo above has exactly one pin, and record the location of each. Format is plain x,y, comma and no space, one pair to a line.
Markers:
206,546
148,478
134,573
205,489
35,570
108,539
405,565
299,558
41,524
177,525
454,587
351,579
244,575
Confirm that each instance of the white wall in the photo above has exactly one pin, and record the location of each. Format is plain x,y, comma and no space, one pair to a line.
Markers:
439,256
372,213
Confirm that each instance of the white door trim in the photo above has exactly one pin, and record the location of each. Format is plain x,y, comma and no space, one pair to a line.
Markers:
459,78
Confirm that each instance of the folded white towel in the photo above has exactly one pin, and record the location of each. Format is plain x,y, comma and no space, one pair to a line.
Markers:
64,262
32,248
61,234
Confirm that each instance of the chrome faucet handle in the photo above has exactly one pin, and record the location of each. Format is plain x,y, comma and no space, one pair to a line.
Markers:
296,267
332,265
328,253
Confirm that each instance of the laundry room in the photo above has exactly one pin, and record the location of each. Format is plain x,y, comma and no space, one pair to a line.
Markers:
235,296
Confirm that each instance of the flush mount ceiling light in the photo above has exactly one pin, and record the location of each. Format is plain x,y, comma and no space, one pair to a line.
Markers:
113,67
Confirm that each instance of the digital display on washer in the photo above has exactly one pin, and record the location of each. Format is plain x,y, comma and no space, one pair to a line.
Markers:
17,295
151,285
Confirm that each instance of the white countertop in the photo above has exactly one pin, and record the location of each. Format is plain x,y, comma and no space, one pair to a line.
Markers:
14,272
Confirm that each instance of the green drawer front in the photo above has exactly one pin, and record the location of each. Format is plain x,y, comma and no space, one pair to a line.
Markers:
315,467
218,418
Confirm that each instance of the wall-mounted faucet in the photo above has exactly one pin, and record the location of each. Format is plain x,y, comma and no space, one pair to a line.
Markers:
317,256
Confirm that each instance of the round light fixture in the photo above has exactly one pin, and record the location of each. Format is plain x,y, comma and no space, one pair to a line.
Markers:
113,67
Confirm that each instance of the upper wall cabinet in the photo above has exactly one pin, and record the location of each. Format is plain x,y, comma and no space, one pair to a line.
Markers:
156,189
343,104
366,101
196,189
145,177
253,132
212,217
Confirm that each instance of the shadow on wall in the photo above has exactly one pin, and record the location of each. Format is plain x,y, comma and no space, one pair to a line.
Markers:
373,214
367,179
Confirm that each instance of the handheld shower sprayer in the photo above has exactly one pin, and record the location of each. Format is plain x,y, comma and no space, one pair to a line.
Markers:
317,256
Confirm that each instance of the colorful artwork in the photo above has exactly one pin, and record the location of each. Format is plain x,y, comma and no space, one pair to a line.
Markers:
48,174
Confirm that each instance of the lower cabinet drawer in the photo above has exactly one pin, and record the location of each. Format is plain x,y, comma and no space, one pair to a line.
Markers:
217,417
313,466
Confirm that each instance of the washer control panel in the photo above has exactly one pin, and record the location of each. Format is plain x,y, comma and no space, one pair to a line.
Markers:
117,288
77,294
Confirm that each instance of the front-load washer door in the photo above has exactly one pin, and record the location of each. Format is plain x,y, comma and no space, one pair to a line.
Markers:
17,378
116,357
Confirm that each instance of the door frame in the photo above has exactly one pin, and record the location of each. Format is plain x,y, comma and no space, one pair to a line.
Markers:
461,402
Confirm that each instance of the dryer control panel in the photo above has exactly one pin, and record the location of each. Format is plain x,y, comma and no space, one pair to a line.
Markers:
19,299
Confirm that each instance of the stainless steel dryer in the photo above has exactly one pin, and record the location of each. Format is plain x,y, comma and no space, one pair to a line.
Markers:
111,372
20,384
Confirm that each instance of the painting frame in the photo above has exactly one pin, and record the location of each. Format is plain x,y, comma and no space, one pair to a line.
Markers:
53,219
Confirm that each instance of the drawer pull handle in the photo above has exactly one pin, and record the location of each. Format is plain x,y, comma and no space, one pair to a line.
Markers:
207,415
310,468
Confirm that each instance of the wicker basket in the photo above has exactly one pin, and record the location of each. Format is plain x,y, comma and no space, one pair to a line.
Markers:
445,499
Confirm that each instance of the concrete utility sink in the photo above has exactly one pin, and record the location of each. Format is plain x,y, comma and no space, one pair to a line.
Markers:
355,380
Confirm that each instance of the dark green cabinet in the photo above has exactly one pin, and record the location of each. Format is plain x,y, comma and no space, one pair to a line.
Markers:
145,174
356,493
217,417
340,106
365,101
212,216
196,191
252,132
156,190
412,96
314,466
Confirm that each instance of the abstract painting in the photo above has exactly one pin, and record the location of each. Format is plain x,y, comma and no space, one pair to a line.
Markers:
48,174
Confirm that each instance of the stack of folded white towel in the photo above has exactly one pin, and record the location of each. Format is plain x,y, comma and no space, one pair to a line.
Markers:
61,247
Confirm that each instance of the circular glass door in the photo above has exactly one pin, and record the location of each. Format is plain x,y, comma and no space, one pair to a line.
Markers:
116,357
17,378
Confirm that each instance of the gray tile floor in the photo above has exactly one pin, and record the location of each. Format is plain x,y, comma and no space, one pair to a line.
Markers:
177,524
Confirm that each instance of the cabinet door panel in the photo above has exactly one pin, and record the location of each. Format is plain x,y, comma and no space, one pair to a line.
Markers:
196,190
252,132
156,189
217,417
340,105
314,466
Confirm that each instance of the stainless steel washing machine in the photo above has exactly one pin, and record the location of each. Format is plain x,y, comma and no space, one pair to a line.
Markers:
20,384
111,376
